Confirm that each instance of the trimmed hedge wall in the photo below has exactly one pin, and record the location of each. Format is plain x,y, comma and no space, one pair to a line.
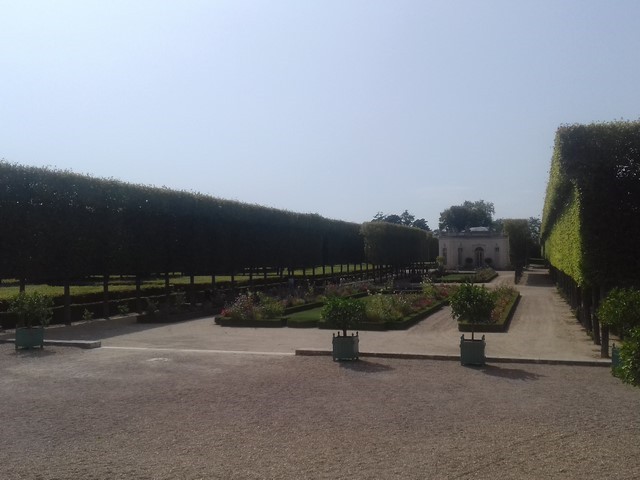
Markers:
62,225
591,217
398,245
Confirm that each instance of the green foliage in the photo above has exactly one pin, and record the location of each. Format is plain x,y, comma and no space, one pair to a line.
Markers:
65,225
591,220
32,309
123,309
405,218
271,307
389,244
87,315
470,214
563,243
387,308
629,369
472,303
521,239
343,313
621,309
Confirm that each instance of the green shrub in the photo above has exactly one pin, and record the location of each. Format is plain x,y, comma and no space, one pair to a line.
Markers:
472,303
271,307
123,309
32,309
87,314
343,313
621,309
629,368
382,308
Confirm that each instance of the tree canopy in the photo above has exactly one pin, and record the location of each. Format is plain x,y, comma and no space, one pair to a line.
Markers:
524,236
405,218
470,214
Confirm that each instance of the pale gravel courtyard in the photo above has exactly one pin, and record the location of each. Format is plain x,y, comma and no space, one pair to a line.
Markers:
145,414
197,401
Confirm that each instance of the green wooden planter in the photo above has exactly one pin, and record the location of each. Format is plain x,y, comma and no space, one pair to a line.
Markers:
472,351
345,348
29,337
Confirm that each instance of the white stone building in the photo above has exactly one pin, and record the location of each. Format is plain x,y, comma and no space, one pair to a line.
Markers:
474,248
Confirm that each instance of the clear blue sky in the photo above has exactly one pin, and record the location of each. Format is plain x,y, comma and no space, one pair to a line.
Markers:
342,108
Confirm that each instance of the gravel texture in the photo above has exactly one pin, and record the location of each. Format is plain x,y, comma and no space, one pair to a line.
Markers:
150,414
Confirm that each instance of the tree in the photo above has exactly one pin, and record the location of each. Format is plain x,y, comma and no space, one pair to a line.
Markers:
421,223
519,239
470,214
405,218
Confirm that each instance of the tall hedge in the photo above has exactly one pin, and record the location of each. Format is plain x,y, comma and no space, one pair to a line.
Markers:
62,225
591,218
391,244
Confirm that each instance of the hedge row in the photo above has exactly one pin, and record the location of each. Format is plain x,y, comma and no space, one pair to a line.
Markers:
591,217
62,225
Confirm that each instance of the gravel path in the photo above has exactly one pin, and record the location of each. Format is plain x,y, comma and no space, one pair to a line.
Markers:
145,414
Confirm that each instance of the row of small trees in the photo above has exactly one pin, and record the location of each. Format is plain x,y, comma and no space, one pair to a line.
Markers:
591,217
62,225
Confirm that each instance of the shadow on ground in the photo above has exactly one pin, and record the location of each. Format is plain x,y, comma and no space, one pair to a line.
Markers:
511,373
32,352
365,366
538,278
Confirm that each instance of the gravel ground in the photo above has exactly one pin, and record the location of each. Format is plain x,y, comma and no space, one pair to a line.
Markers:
145,414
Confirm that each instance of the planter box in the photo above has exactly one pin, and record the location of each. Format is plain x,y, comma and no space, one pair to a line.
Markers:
29,337
472,351
345,348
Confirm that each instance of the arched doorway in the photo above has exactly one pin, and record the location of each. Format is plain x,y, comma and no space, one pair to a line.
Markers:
479,257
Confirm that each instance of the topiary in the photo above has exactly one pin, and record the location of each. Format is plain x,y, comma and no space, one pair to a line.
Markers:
343,313
473,304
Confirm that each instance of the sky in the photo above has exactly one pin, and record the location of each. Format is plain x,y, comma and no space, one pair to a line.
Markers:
343,108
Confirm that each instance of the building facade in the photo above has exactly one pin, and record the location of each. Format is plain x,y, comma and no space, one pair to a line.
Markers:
475,248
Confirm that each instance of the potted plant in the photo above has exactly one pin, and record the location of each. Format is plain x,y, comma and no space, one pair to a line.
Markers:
345,314
473,304
34,311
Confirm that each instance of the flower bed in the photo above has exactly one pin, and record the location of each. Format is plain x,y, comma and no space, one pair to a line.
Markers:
507,299
384,311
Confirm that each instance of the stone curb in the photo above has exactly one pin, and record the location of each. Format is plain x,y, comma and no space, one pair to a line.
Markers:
417,356
85,344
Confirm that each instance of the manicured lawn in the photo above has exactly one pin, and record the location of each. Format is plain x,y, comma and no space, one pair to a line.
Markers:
10,287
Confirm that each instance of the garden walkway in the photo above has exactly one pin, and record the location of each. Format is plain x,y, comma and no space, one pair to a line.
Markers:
542,328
